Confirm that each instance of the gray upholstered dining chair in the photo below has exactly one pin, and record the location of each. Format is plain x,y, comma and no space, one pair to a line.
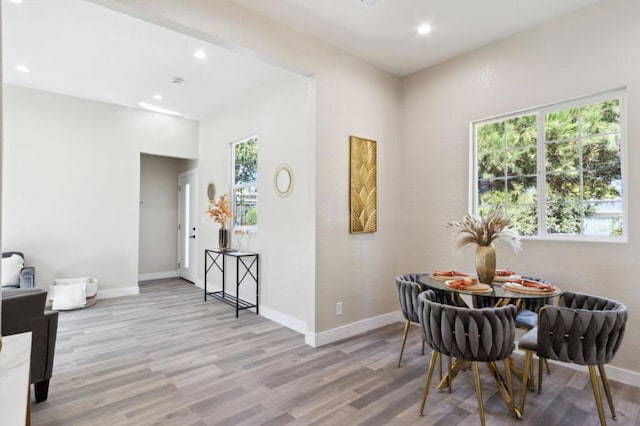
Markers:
470,334
583,329
408,291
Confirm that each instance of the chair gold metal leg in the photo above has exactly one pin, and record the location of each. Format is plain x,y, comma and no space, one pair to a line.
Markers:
404,340
507,372
504,392
432,364
450,375
440,364
532,385
528,355
607,390
540,362
546,364
476,380
423,346
596,393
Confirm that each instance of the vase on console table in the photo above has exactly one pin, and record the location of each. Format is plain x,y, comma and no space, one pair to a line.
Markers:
223,238
485,263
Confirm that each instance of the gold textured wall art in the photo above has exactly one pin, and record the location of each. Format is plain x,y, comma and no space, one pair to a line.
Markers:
363,195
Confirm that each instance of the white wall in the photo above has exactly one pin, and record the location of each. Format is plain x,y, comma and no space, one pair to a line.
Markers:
586,52
285,238
71,182
159,215
352,98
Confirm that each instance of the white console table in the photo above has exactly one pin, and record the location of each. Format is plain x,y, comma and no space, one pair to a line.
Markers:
15,364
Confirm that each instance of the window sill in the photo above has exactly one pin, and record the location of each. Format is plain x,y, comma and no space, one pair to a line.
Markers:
577,238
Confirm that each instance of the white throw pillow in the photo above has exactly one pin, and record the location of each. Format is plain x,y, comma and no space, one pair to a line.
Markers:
11,267
69,296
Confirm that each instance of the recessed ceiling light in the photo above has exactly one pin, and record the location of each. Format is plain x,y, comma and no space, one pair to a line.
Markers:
23,68
424,29
200,54
157,97
15,1
157,109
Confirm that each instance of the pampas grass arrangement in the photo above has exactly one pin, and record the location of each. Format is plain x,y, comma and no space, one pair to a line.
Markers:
485,230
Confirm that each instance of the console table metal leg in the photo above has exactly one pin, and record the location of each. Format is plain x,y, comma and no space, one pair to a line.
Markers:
223,258
205,275
237,285
257,285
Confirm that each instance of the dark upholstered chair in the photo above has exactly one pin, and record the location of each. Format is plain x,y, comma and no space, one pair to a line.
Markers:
27,274
23,311
582,329
408,289
470,334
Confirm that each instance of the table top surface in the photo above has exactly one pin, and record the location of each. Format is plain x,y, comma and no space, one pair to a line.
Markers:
232,252
496,290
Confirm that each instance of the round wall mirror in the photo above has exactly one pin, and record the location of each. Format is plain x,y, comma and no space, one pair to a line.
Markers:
211,192
283,180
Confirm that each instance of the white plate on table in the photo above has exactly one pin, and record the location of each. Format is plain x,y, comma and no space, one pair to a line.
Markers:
519,288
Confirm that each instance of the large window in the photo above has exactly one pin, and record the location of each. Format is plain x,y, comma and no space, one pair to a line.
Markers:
244,169
557,171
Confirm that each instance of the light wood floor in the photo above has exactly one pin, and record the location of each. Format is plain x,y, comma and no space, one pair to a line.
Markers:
167,357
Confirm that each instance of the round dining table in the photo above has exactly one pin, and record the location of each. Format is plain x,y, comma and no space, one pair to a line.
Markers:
498,295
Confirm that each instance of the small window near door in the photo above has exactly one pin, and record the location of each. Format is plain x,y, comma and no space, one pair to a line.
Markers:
244,167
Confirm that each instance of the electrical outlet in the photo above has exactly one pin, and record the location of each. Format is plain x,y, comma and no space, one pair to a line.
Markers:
338,308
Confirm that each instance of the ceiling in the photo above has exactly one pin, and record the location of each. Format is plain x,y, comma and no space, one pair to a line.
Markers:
82,49
385,34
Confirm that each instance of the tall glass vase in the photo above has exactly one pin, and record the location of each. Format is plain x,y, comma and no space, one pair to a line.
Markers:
485,263
223,239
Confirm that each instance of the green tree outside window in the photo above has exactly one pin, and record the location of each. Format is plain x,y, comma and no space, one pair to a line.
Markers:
245,179
582,169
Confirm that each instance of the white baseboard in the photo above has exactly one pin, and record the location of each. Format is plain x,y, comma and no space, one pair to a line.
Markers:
623,376
199,283
157,275
283,319
353,329
618,374
118,292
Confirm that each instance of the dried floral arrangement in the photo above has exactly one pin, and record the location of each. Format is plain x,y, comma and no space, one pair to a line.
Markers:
220,211
485,230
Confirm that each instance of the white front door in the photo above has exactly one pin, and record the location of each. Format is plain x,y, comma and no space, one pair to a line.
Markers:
187,218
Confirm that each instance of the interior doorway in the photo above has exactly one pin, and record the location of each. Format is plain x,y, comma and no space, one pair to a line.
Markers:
187,226
159,254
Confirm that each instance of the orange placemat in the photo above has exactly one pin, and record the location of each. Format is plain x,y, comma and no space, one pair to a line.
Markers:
476,288
451,275
507,278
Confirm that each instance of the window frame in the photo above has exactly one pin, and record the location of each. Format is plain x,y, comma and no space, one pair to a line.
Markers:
541,173
234,186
